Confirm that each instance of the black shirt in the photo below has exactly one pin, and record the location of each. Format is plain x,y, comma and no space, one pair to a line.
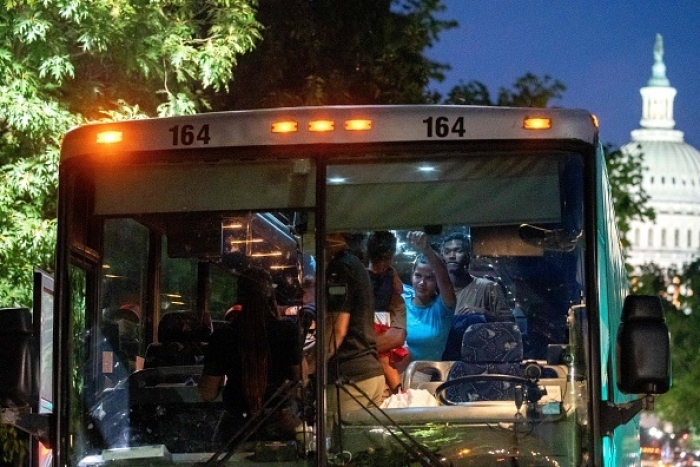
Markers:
356,358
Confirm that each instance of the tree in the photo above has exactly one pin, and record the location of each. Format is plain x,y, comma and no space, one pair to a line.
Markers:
528,91
531,91
471,93
329,52
64,62
681,405
626,171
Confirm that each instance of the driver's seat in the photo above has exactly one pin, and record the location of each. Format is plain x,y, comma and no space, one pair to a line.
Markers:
487,348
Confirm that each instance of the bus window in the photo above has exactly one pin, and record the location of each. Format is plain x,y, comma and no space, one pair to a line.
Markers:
124,292
154,333
495,201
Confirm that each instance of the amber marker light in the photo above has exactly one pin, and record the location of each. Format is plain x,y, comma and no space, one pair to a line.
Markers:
286,126
358,125
537,123
109,137
595,121
321,125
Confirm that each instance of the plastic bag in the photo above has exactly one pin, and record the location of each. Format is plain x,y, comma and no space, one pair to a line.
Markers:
410,398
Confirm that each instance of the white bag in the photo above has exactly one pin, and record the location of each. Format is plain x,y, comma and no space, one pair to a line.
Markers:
410,398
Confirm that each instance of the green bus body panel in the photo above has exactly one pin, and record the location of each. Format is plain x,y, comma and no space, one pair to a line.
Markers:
622,448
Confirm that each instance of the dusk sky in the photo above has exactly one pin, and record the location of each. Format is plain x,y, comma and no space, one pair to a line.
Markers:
602,50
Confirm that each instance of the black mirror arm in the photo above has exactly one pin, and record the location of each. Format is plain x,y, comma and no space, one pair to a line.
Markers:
612,415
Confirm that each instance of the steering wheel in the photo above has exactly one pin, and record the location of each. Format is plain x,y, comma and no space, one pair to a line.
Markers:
534,393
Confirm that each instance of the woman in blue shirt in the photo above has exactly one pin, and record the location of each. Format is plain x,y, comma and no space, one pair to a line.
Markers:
430,308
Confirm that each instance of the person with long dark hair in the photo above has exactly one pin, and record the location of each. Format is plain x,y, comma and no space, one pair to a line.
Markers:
257,353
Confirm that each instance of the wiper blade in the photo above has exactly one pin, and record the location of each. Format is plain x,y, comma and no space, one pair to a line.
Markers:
231,447
420,453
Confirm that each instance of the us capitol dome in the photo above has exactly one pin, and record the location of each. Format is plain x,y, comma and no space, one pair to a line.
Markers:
671,179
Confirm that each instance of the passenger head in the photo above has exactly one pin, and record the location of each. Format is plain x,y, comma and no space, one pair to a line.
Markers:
308,285
381,248
456,251
232,313
339,241
423,280
128,312
256,292
335,242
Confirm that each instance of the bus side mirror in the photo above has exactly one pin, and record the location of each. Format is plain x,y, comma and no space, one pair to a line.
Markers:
18,358
643,347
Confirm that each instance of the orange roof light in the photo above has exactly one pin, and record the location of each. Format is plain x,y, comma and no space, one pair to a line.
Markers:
358,124
321,125
537,123
595,121
109,137
286,126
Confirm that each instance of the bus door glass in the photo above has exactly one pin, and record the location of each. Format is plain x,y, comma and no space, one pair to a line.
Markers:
167,279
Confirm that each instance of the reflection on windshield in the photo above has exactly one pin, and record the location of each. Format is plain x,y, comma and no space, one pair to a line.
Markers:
495,373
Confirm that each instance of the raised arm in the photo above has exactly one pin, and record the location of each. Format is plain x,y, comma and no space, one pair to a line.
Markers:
447,291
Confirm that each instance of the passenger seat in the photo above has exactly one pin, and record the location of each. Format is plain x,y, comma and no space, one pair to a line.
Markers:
182,338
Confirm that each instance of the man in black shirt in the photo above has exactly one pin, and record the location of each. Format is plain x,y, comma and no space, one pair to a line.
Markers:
350,336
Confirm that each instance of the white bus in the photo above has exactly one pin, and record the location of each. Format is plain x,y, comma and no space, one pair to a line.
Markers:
157,217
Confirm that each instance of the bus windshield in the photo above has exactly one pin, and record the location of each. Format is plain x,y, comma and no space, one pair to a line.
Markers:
159,245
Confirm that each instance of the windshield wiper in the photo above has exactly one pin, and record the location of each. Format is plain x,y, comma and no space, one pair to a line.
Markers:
419,452
231,447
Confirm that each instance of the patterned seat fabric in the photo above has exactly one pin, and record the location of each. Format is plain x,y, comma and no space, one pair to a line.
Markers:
460,323
487,348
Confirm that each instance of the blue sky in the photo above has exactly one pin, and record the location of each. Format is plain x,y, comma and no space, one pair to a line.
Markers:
602,50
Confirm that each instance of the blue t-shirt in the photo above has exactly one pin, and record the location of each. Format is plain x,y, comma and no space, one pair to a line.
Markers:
427,328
